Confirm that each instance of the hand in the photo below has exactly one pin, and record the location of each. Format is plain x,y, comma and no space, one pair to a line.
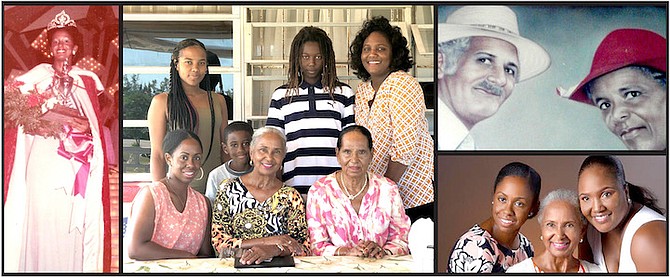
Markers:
370,249
258,254
348,251
286,242
79,124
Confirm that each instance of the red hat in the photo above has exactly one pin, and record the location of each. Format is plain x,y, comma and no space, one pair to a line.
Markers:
621,48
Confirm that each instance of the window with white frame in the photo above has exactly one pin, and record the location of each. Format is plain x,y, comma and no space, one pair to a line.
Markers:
150,33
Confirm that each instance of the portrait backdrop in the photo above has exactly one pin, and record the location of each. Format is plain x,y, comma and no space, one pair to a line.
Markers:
535,117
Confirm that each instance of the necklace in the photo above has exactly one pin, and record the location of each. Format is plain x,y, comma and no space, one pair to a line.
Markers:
183,202
346,190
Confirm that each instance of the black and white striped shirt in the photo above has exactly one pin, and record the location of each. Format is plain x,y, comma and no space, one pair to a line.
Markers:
312,121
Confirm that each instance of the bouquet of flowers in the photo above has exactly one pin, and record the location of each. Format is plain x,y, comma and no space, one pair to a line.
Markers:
27,110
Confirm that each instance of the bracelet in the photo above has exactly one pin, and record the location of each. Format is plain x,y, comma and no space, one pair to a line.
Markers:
337,251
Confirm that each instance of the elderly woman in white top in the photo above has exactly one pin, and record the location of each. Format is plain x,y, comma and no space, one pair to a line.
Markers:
563,228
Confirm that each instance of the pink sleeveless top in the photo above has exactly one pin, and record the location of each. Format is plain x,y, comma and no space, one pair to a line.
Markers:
175,230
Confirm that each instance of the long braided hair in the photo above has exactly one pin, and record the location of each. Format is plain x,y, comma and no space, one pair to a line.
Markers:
329,73
181,113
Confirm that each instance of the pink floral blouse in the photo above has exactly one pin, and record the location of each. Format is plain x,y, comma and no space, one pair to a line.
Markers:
332,221
175,230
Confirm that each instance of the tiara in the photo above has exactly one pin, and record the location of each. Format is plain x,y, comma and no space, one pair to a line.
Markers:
61,20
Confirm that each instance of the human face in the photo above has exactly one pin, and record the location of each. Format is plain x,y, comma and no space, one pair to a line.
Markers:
485,77
185,161
633,107
237,146
603,202
62,45
268,154
311,62
354,155
512,201
561,229
192,65
376,55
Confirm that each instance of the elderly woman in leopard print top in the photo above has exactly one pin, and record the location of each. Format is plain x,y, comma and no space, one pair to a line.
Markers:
256,212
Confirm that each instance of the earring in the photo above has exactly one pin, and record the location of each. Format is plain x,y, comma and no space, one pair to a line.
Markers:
202,174
491,202
629,202
581,240
74,53
251,163
530,214
541,238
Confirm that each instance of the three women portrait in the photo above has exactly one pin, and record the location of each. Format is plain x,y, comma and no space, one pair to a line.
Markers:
344,170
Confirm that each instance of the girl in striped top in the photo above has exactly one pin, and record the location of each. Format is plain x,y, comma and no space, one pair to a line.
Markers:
311,109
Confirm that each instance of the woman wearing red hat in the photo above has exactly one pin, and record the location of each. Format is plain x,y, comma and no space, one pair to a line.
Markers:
628,83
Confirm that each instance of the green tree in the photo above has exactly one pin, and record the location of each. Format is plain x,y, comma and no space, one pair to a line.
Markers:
136,100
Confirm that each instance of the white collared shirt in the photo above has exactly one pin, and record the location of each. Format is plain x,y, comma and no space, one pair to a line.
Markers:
452,133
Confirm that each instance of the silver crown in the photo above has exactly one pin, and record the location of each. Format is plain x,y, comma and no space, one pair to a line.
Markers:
61,20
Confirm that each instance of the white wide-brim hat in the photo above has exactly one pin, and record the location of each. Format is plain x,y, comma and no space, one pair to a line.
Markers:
497,22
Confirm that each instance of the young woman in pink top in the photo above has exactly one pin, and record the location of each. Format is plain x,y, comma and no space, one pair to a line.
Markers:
169,219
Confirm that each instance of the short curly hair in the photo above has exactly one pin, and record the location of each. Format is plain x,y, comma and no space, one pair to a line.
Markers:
401,60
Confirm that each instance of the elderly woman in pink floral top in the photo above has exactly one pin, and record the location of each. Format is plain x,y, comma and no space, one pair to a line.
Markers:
353,212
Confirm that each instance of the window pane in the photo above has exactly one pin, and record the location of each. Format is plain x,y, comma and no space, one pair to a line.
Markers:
148,43
136,150
128,9
139,88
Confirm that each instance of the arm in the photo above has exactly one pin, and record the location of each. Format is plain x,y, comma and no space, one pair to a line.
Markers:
395,170
407,112
321,244
206,250
479,260
224,124
348,117
213,179
157,121
275,116
297,225
141,222
222,231
399,226
648,247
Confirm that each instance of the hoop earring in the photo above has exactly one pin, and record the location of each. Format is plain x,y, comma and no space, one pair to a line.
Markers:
251,163
202,174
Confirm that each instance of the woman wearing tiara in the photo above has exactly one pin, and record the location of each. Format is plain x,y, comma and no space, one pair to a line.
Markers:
53,215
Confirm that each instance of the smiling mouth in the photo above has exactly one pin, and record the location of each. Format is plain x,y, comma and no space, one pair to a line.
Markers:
493,92
506,222
601,218
630,133
560,245
189,174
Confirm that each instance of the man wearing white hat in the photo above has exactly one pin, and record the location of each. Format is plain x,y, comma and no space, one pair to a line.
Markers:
481,57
